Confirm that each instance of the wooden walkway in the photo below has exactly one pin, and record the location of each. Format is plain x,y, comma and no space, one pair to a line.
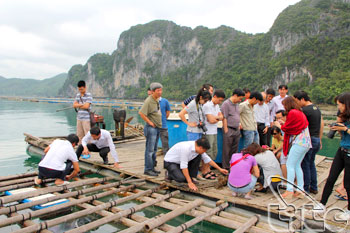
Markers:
131,156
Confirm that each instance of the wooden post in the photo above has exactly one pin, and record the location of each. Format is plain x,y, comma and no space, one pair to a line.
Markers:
230,223
16,197
121,214
18,176
16,181
15,208
125,221
198,219
23,185
79,214
161,219
28,223
54,208
134,217
251,222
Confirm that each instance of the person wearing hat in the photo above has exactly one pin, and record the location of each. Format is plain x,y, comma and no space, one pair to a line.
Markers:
150,112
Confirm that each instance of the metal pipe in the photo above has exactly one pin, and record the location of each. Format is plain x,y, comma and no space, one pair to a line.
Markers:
198,219
121,214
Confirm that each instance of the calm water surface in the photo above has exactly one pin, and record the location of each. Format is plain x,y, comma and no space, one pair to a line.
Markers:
38,119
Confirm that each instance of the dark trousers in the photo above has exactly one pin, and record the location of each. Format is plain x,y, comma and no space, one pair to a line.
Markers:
268,136
164,138
262,136
308,166
92,147
51,173
229,146
341,161
175,172
261,178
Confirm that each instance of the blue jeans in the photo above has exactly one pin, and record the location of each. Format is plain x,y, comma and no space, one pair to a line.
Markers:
245,189
193,136
152,137
308,166
295,156
250,136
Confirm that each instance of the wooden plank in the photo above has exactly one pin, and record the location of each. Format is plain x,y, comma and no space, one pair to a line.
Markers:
319,159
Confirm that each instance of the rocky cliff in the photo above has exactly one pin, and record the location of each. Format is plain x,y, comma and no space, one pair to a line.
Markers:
297,50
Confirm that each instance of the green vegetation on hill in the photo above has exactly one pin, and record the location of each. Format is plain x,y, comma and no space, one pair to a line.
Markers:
31,87
313,35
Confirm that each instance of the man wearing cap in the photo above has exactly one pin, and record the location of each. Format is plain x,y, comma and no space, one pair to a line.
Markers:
151,114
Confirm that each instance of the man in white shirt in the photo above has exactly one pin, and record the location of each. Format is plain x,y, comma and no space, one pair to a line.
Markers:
262,117
270,93
183,159
277,100
53,165
98,140
213,115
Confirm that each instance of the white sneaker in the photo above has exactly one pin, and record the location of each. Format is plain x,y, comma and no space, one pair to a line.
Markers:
344,216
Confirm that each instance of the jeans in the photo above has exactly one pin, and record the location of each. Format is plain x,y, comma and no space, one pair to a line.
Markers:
250,136
245,189
152,137
341,161
295,156
308,166
193,136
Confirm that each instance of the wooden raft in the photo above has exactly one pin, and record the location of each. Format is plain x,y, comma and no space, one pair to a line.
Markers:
86,194
131,157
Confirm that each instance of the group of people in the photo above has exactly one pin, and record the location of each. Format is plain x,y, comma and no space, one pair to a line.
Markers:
265,138
60,160
249,157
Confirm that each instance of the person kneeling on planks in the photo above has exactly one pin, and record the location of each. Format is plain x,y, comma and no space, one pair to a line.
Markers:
98,140
58,160
183,159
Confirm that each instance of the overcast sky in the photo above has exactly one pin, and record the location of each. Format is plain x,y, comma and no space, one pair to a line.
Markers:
42,38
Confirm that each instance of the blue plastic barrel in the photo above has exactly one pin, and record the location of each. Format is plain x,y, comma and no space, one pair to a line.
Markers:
177,133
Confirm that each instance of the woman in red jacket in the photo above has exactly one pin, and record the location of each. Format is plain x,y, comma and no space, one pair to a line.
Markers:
296,143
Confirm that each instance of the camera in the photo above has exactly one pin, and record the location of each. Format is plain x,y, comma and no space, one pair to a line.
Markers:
202,126
331,133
